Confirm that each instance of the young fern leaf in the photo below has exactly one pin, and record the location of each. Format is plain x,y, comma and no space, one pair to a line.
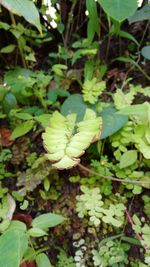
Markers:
65,140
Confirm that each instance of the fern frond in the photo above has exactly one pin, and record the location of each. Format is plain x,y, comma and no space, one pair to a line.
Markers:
92,90
65,140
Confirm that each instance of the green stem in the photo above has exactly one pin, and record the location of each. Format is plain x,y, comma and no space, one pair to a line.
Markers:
20,48
109,38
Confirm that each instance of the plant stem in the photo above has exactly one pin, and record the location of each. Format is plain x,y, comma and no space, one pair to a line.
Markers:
70,18
144,33
112,178
20,48
132,224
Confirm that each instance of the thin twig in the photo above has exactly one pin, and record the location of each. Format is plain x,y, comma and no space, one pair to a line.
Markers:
112,178
139,237
144,33
70,18
20,48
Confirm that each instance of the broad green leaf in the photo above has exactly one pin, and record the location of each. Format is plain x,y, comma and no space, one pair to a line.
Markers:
8,49
17,225
128,158
74,104
112,122
139,110
47,220
93,24
25,8
7,208
147,134
53,94
36,232
60,27
143,147
118,9
9,102
30,254
63,144
141,14
12,245
59,68
43,119
42,260
146,52
88,69
4,26
22,129
23,116
20,83
12,76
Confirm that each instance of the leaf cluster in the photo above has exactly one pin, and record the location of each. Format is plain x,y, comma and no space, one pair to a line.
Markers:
113,253
65,140
18,238
65,260
92,89
90,204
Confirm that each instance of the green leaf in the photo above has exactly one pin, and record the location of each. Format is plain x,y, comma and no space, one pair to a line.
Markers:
23,116
42,260
30,57
131,240
63,145
20,83
55,93
8,49
128,158
93,24
36,232
141,14
121,100
25,8
60,27
17,225
22,129
112,122
128,36
74,104
146,52
92,89
4,26
139,110
9,102
47,220
11,248
3,92
59,68
88,69
134,63
43,119
147,135
118,9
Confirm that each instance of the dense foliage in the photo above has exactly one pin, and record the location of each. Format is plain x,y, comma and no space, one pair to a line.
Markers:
74,133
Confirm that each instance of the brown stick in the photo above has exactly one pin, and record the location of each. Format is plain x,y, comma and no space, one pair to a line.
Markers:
112,178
